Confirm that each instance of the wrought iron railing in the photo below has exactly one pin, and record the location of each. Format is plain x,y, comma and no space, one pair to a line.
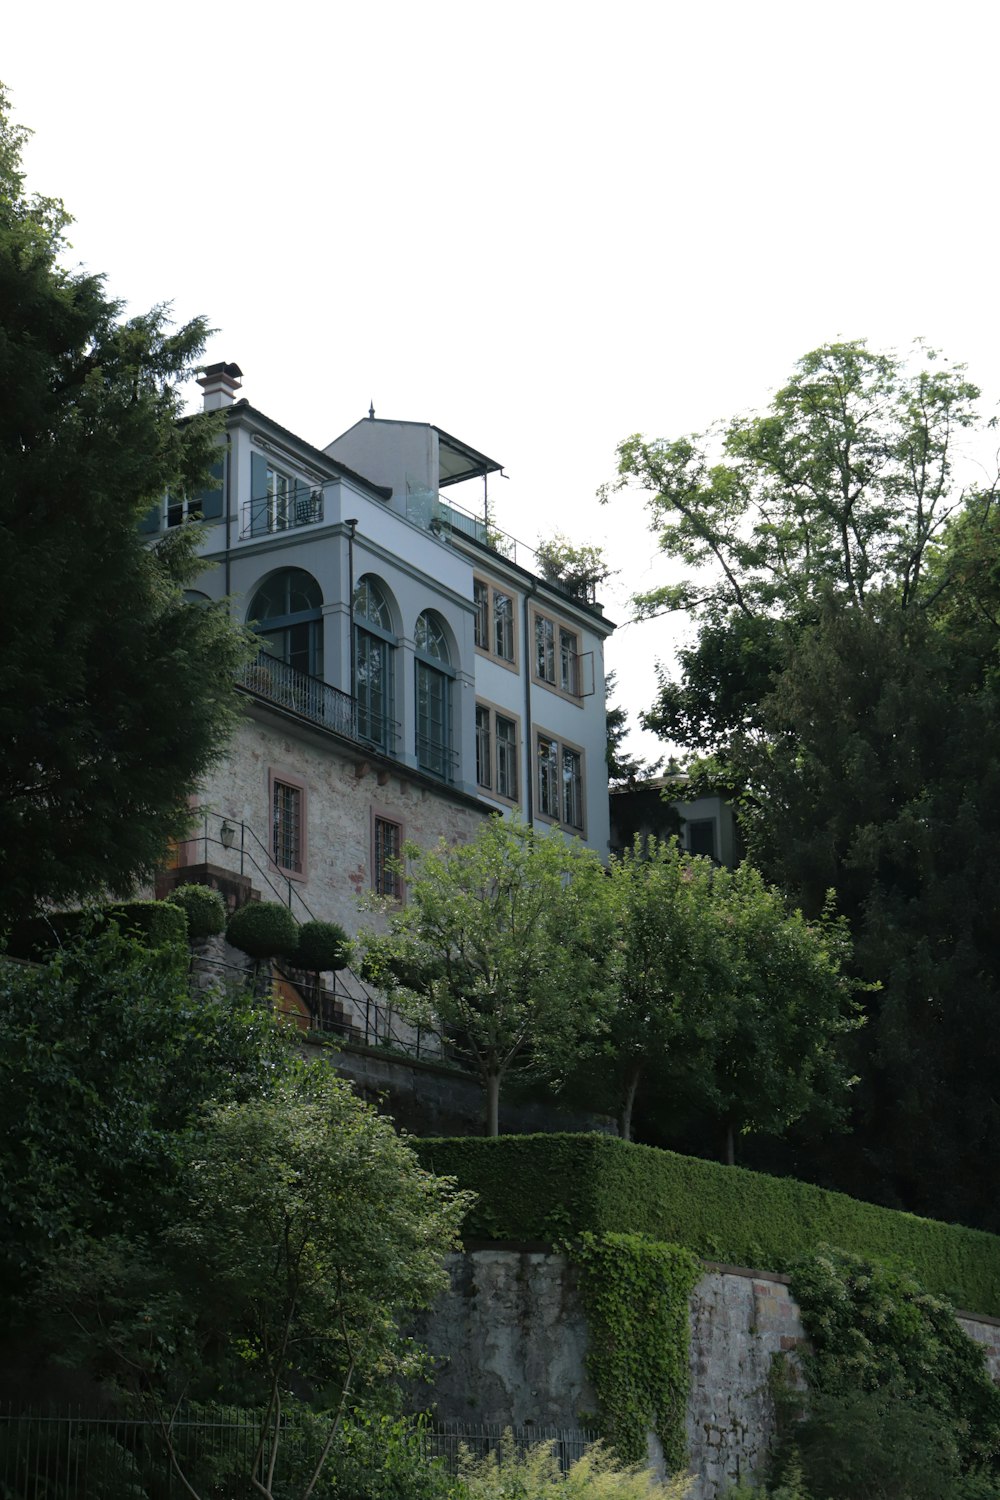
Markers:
436,759
276,682
265,516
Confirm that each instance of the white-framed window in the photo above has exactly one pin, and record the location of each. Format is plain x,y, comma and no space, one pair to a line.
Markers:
387,850
496,633
496,751
559,772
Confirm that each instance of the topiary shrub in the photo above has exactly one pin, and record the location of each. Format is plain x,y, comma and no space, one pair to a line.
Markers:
322,946
205,909
156,924
263,929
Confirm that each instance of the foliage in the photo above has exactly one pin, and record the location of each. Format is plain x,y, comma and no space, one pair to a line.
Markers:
205,910
305,1231
105,1056
322,946
263,929
668,975
635,1293
578,570
385,1458
506,1474
502,948
874,1329
718,981
156,924
114,694
548,1187
843,679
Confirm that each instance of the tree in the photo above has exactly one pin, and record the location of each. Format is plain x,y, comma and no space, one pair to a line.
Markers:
667,977
114,693
502,949
623,769
726,995
306,1233
577,570
843,684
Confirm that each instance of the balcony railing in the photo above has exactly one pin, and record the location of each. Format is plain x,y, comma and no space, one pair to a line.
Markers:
277,682
270,514
436,759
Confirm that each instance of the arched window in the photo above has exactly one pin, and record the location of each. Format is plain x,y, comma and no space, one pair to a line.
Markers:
434,697
374,652
287,614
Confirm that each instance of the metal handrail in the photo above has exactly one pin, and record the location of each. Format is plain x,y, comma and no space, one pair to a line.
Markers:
277,682
436,759
298,510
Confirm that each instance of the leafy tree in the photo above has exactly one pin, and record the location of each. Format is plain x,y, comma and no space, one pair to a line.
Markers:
105,1057
502,949
724,994
843,685
306,1232
114,694
578,570
662,1023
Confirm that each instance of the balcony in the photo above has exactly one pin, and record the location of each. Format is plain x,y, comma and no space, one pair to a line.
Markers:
273,513
276,682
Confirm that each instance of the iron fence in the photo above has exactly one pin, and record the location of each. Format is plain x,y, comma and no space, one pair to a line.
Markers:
67,1455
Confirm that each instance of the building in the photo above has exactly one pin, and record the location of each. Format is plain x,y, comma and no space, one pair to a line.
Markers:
702,825
415,673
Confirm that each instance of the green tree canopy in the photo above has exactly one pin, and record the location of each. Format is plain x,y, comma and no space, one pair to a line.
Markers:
843,685
114,694
503,949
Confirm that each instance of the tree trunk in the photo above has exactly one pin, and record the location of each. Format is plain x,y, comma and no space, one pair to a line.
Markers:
631,1089
493,1104
730,1146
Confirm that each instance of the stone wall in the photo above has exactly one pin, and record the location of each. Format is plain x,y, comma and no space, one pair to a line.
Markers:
510,1341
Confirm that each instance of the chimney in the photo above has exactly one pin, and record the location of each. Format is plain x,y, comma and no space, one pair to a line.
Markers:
220,384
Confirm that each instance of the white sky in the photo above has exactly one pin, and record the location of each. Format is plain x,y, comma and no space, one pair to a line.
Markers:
541,227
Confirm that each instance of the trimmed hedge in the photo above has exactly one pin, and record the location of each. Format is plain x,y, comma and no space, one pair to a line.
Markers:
551,1187
156,924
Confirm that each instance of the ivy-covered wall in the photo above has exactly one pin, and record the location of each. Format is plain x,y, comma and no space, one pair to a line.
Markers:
548,1188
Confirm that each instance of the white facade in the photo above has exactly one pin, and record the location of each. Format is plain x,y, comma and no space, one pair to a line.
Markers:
413,678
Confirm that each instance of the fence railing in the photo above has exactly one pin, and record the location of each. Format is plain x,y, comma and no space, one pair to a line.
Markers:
60,1455
267,677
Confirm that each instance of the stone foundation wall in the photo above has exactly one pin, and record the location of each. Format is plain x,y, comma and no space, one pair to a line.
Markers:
510,1342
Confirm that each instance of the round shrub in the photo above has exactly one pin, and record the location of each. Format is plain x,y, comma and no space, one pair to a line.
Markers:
322,946
263,929
205,908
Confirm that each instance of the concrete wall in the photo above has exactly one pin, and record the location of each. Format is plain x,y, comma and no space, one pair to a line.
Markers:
510,1340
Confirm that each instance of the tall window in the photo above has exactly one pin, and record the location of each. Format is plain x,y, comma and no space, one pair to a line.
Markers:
387,848
557,656
481,599
545,649
560,786
484,747
278,500
286,826
374,652
287,614
434,691
496,752
494,620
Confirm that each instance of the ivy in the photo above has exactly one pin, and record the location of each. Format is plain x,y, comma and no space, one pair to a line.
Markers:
635,1294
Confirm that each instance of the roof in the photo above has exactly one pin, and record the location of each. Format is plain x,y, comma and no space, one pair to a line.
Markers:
316,455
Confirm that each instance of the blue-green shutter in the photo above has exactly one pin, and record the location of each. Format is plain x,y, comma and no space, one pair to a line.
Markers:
210,500
258,495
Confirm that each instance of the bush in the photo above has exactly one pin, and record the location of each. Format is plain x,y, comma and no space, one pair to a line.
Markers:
155,924
204,908
322,946
263,929
548,1187
535,1475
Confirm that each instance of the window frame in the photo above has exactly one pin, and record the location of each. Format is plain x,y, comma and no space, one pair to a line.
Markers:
277,776
486,621
384,816
495,711
559,633
562,746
